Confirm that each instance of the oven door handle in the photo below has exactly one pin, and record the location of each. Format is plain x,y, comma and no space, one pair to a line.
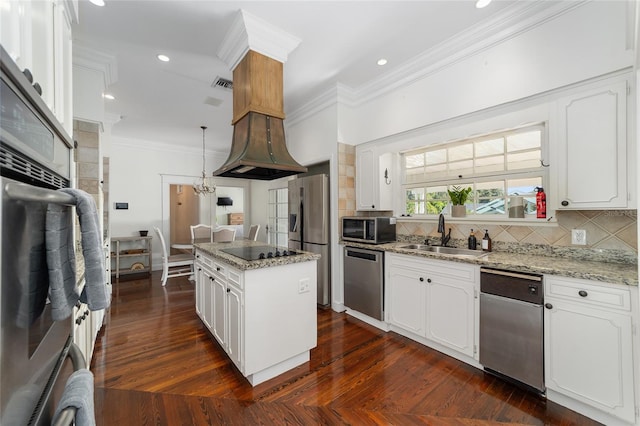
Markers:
68,415
25,192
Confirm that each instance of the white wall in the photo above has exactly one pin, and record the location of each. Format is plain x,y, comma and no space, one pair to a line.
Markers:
136,178
587,41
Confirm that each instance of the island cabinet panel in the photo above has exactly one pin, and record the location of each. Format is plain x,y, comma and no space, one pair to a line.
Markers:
588,346
434,301
265,319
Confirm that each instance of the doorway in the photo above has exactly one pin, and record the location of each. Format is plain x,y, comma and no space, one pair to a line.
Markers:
184,211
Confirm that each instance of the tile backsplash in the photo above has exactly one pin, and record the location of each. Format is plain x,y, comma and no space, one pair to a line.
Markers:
608,230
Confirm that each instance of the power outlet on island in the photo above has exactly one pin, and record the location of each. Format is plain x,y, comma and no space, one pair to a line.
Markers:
303,285
579,237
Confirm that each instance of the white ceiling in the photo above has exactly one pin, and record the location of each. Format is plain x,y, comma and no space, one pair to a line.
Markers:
340,44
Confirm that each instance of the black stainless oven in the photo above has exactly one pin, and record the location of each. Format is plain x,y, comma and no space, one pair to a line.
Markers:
35,160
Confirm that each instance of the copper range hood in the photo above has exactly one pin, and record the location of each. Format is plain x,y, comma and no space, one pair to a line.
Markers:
258,148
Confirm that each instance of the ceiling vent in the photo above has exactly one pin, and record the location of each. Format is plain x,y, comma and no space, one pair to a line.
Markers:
222,83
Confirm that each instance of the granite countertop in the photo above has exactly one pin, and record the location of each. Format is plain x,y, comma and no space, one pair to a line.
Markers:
609,272
214,249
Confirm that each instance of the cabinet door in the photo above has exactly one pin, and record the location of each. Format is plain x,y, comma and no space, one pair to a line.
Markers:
406,304
593,149
588,356
450,313
199,283
366,179
207,300
218,303
373,180
234,326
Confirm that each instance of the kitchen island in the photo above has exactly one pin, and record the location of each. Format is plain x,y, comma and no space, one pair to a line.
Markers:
262,312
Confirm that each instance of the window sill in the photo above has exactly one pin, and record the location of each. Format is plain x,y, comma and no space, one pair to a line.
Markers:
527,221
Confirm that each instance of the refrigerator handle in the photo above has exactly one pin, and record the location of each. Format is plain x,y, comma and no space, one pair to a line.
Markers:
293,222
301,227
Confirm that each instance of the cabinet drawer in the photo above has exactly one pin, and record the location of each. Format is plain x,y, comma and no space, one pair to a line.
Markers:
444,268
234,277
588,292
204,259
219,270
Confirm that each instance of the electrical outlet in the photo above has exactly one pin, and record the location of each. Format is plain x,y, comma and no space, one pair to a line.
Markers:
303,285
579,237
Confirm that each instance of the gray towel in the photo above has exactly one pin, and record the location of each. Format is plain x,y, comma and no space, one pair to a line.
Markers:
61,261
78,393
61,257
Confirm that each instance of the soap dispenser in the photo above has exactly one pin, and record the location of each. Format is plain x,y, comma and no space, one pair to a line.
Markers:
473,242
486,241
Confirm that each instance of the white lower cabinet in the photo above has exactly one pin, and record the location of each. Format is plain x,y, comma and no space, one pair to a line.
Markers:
245,313
588,345
434,299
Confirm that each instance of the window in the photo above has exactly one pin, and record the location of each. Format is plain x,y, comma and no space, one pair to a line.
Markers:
496,167
277,231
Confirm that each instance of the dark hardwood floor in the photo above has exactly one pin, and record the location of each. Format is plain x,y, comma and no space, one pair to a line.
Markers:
155,364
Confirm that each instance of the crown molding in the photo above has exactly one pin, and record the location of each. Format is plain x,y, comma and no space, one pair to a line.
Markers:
248,32
511,22
95,60
338,94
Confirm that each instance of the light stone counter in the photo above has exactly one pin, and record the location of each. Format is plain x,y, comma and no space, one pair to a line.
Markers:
215,250
609,272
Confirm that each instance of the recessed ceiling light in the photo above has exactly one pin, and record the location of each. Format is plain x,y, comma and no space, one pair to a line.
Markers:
163,58
382,61
108,96
97,2
482,3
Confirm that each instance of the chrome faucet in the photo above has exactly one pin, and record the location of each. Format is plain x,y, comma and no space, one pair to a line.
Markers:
441,229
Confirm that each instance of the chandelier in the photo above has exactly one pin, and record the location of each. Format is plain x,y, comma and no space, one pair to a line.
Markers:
205,185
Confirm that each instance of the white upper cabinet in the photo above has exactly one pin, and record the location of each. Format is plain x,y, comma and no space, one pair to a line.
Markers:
37,36
373,179
592,148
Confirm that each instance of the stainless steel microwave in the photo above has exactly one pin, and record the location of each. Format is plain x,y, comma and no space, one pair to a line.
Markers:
370,230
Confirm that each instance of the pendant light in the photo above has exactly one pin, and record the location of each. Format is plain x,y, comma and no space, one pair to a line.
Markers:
205,186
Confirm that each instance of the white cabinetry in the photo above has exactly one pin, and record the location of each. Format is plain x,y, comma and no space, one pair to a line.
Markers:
588,345
243,310
592,156
373,179
37,36
434,299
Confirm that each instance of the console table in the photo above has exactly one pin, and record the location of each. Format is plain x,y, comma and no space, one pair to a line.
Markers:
131,255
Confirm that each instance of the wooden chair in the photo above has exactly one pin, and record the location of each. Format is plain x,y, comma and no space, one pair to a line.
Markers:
253,232
201,233
224,235
177,265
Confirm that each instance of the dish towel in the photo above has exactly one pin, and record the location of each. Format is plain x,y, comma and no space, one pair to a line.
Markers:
78,392
61,256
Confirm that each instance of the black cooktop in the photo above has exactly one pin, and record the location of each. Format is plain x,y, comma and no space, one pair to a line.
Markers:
260,252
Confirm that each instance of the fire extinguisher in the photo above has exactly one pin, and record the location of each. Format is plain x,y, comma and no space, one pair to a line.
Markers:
541,203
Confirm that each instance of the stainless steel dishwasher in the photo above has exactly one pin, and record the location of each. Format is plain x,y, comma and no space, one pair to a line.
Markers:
364,281
511,326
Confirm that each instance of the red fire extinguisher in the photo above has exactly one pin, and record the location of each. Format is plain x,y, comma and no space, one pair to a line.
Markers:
541,203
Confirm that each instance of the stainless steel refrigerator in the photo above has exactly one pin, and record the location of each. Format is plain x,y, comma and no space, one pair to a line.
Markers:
309,225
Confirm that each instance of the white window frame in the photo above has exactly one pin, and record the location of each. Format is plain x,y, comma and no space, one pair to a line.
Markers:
473,179
278,235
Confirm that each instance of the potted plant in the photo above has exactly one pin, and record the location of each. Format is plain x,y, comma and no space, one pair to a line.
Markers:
458,197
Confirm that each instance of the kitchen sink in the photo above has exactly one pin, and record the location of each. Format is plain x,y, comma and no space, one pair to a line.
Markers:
452,251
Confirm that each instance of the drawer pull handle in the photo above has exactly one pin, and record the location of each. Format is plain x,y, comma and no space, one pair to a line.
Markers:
421,279
228,290
583,293
428,280
548,305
